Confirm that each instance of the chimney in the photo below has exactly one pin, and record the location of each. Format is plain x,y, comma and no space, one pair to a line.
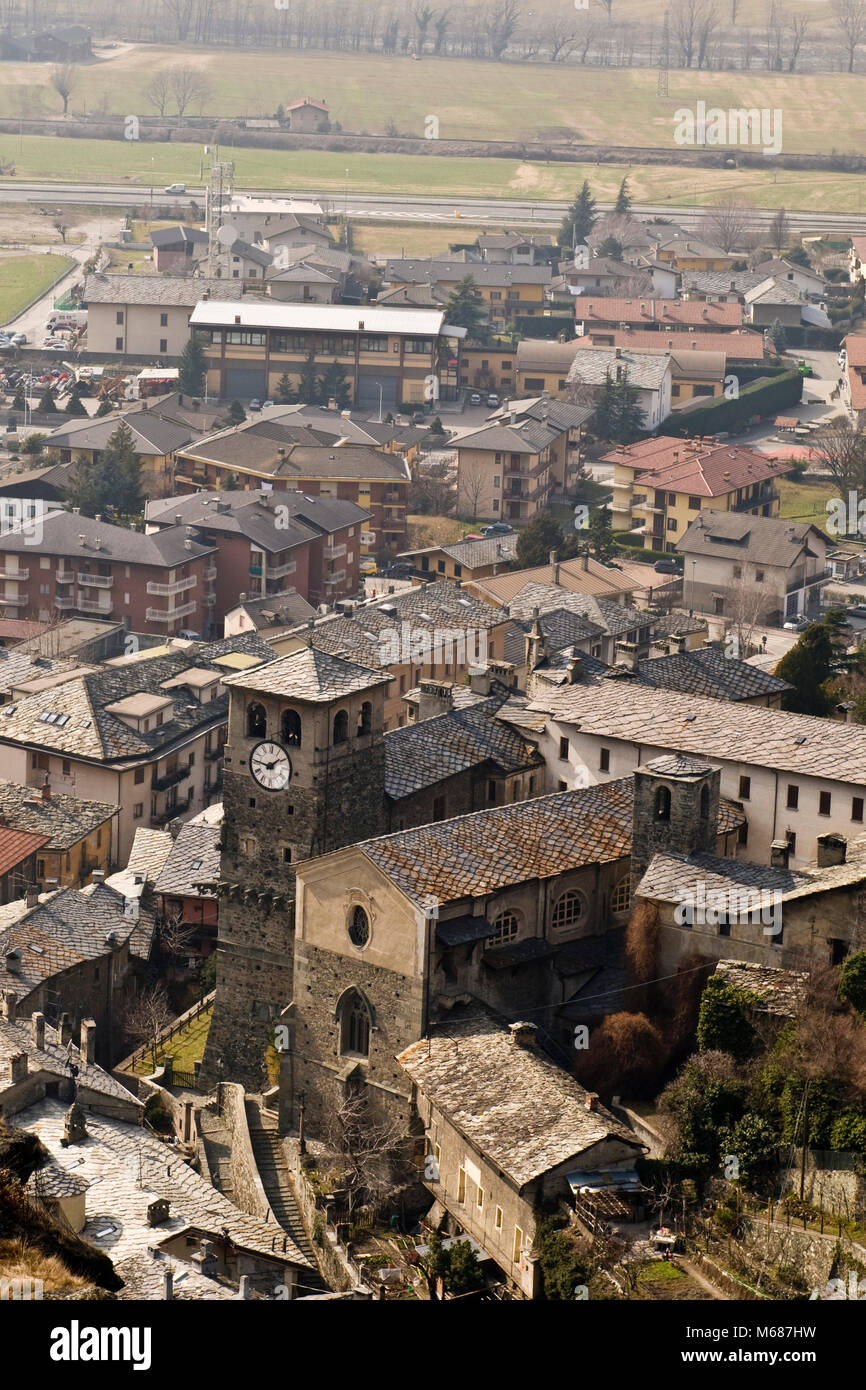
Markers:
575,668
10,1002
591,1101
97,876
522,1034
32,898
64,1030
535,643
780,853
18,1067
88,1040
37,1030
167,1285
586,560
46,790
677,643
436,697
244,1287
617,352
627,655
479,680
832,849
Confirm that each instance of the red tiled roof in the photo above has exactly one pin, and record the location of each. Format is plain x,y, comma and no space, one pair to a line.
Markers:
646,311
713,472
743,345
21,628
15,846
307,101
855,346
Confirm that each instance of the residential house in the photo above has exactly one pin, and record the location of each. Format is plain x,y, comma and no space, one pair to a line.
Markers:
307,115
490,368
145,315
62,43
508,1130
243,260
606,624
601,317
18,863
668,481
76,834
305,283
650,374
143,734
512,248
388,356
264,539
740,348
177,249
857,259
464,560
795,776
808,281
258,219
35,1064
508,469
154,583
775,301
273,615
753,568
182,888
584,575
688,253
154,439
855,375
507,290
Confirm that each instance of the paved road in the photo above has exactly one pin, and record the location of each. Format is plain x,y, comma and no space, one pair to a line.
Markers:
32,321
401,208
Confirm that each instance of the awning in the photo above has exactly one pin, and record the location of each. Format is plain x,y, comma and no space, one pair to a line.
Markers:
604,1180
457,931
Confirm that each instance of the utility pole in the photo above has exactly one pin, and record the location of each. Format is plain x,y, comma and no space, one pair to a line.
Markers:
805,1137
664,59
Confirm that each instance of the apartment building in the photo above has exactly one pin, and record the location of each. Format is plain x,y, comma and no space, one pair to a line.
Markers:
603,316
154,439
773,568
795,777
145,315
465,560
507,289
527,450
80,565
741,347
661,484
262,454
143,734
389,356
855,374
268,541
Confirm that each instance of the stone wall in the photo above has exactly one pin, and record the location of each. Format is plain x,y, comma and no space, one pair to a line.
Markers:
247,1190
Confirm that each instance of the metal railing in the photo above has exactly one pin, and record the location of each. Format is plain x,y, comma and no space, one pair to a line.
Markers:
168,615
179,586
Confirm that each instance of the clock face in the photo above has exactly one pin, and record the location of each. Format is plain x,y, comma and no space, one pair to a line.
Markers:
271,766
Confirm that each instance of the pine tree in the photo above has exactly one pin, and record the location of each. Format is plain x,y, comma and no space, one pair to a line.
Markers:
611,248
309,385
192,369
599,536
622,206
285,390
778,337
105,407
46,404
18,401
629,415
536,541
465,308
334,385
579,220
605,408
73,405
124,464
237,414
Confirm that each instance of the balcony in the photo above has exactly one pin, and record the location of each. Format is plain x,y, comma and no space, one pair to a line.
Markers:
209,600
65,576
764,497
211,754
368,537
212,788
12,575
168,615
278,571
336,578
170,779
210,574
332,552
16,602
255,571
180,586
94,605
169,813
62,604
98,581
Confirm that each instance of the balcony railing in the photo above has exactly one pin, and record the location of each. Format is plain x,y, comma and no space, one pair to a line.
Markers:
771,495
63,604
336,578
278,571
332,552
210,574
65,576
99,581
170,779
20,575
168,615
179,586
211,754
169,813
16,602
93,605
208,600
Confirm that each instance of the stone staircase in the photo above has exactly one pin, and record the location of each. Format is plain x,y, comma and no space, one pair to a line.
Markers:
274,1173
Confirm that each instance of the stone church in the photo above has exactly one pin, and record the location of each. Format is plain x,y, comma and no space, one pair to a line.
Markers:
346,944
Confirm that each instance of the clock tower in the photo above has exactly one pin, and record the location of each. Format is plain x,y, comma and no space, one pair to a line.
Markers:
304,774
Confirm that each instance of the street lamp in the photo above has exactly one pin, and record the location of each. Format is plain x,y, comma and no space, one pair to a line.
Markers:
346,208
152,157
379,384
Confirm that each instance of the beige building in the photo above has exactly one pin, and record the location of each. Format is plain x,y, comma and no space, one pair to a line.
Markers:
753,568
145,315
529,449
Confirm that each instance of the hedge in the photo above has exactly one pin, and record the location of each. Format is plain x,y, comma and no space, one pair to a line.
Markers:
527,326
763,397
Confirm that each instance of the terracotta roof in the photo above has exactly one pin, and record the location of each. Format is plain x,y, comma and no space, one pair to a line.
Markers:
646,312
16,846
716,471
737,346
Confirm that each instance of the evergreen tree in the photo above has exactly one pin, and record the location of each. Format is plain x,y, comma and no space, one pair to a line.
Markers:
125,468
465,308
778,337
105,407
73,405
18,401
622,206
334,385
231,483
629,415
237,414
611,248
285,391
598,536
46,404
536,541
579,220
308,388
811,664
34,444
605,408
192,369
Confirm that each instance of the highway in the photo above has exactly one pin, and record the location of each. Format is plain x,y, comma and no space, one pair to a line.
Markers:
397,208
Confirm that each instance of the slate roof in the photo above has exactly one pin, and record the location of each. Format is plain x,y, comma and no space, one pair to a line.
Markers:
677,623
61,531
255,447
193,859
477,854
734,732
617,619
150,849
52,1181
18,665
709,672
15,1038
175,291
150,433
178,236
523,1113
779,991
274,521
769,540
473,554
671,877
422,754
309,674
561,628
277,610
88,731
484,273
65,928
62,820
720,281
646,370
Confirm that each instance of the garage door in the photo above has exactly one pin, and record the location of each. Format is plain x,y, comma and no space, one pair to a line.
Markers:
368,392
245,383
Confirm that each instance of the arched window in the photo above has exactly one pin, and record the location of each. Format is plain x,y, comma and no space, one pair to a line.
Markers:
291,728
257,721
621,900
359,927
355,1025
568,910
663,804
365,719
341,726
705,803
505,928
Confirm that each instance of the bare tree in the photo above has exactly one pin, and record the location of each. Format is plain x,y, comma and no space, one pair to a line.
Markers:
851,19
423,16
707,23
797,27
728,223
158,90
180,13
502,21
471,479
779,231
174,934
64,78
841,448
146,1017
775,36
372,1149
61,228
187,85
745,606
561,37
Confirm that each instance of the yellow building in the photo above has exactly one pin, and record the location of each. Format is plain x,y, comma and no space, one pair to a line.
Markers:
507,290
78,832
660,485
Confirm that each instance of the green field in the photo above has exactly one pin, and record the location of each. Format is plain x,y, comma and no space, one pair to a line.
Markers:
821,112
45,157
22,278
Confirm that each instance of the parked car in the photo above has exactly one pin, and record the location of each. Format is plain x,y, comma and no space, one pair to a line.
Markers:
368,566
419,418
666,567
400,569
175,188
843,357
475,399
19,339
189,634
254,405
493,399
265,404
497,528
797,624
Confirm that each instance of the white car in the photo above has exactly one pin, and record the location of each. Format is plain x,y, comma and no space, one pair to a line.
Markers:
843,357
19,339
175,188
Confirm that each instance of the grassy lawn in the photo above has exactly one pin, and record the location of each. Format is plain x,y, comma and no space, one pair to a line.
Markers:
423,531
23,277
324,172
472,99
412,240
186,1048
801,501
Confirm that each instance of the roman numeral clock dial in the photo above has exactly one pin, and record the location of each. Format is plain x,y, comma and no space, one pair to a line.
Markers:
271,766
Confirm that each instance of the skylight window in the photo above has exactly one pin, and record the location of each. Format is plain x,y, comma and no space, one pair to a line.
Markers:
9,710
197,863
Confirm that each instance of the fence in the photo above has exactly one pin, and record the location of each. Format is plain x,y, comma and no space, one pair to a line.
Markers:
159,1048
